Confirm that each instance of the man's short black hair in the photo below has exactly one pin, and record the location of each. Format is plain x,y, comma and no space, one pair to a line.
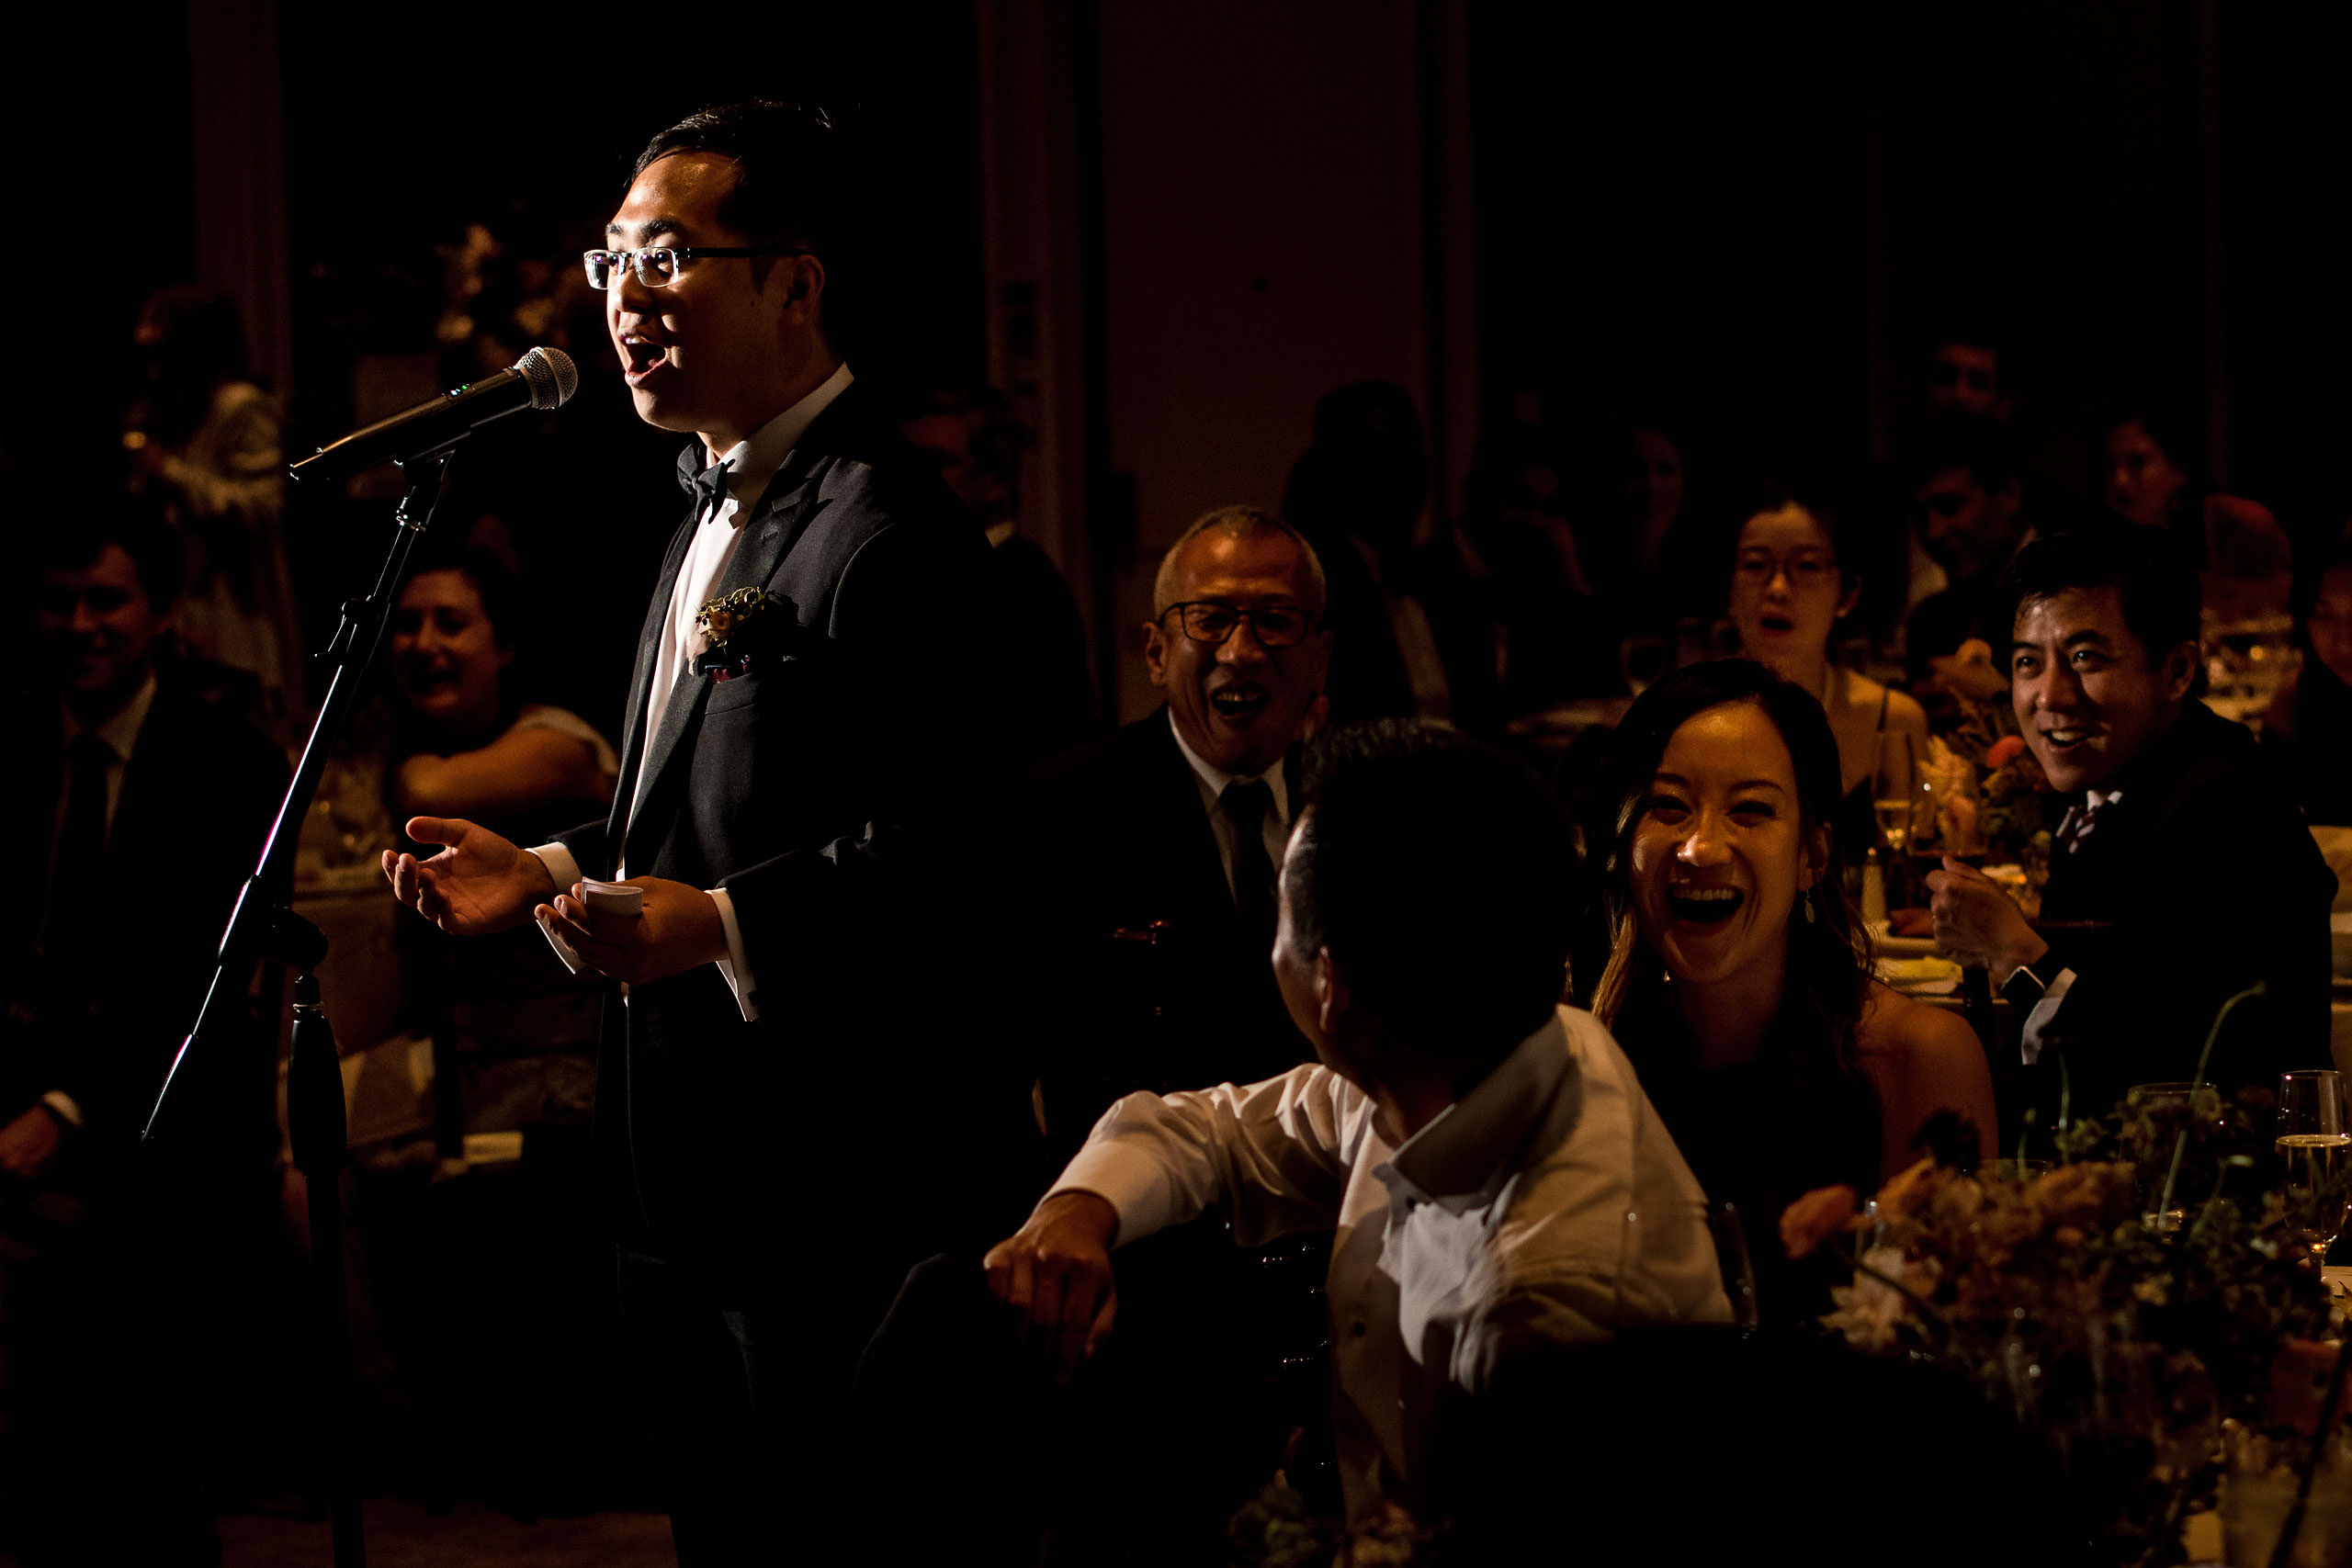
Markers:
793,182
1440,873
1958,439
2158,589
154,546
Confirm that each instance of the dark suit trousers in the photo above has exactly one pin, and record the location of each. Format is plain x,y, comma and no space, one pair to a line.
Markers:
720,1375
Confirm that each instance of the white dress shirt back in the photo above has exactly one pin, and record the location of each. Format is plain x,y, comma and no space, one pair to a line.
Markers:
1548,1206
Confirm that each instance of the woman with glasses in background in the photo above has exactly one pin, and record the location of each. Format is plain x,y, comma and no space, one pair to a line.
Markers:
1790,587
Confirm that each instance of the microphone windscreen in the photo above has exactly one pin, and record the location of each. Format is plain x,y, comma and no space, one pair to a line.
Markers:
552,376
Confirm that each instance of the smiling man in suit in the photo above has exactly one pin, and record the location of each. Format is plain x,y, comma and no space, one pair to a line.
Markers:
122,776
802,780
1161,918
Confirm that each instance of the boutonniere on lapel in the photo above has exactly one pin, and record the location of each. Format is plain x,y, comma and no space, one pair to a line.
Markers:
723,624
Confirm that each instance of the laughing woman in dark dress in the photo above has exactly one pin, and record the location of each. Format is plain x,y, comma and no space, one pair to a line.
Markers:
1738,980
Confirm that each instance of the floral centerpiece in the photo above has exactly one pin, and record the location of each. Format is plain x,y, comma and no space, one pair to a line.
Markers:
2017,810
2119,1337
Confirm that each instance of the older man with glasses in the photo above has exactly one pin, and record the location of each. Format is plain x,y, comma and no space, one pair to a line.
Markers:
1156,901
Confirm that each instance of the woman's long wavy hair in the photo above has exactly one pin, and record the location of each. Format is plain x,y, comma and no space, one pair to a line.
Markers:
1829,955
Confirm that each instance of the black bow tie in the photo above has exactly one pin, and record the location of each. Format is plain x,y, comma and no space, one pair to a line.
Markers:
709,487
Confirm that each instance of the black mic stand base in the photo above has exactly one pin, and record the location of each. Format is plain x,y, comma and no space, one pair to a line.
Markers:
314,1124
263,925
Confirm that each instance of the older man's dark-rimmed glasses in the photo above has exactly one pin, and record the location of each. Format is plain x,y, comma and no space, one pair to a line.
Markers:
1274,625
657,266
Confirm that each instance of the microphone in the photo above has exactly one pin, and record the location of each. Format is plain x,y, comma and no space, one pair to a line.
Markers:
543,379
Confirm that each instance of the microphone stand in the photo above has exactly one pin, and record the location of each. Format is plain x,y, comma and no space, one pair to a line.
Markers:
264,926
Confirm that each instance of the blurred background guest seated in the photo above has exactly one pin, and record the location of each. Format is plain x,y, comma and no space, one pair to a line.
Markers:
488,1266
136,1276
1967,498
204,445
1357,494
2149,474
2309,725
1038,637
1790,589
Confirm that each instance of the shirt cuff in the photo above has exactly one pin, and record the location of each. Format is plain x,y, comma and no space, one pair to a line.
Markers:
2044,1010
57,1100
736,968
1134,1186
559,864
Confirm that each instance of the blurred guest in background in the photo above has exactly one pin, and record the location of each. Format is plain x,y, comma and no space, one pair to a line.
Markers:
495,1287
1506,596
1357,495
1173,826
464,733
2309,727
1789,587
1965,372
1633,546
2182,872
1477,1145
1034,624
204,441
1962,376
1737,979
2150,474
130,1270
1968,512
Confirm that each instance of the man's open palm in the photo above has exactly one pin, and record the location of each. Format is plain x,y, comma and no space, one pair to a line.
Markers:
478,883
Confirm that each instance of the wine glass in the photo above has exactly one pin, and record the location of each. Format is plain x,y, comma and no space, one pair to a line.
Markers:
1893,790
1899,800
2315,1142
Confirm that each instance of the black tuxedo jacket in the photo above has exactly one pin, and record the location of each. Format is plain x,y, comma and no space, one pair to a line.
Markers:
838,791
1122,841
198,792
2203,878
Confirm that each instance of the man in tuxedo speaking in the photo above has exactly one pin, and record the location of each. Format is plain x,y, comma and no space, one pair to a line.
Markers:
805,762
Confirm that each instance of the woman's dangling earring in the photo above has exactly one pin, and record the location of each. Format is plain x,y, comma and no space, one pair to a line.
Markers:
1808,906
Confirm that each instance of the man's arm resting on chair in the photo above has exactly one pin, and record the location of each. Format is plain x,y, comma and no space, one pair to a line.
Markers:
1054,1274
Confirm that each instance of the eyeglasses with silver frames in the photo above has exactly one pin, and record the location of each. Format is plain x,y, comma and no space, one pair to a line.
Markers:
657,266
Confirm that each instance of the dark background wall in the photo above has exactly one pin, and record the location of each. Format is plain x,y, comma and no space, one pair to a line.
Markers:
1744,223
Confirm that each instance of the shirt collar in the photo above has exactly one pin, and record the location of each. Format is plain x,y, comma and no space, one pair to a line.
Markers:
121,732
753,461
1214,780
2093,800
1462,1158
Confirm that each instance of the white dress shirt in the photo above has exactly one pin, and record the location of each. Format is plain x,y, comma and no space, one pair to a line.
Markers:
2045,1011
1548,1206
752,463
1274,827
121,733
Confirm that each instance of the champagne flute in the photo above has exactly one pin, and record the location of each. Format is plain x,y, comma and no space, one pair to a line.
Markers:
1894,799
1898,767
2315,1142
